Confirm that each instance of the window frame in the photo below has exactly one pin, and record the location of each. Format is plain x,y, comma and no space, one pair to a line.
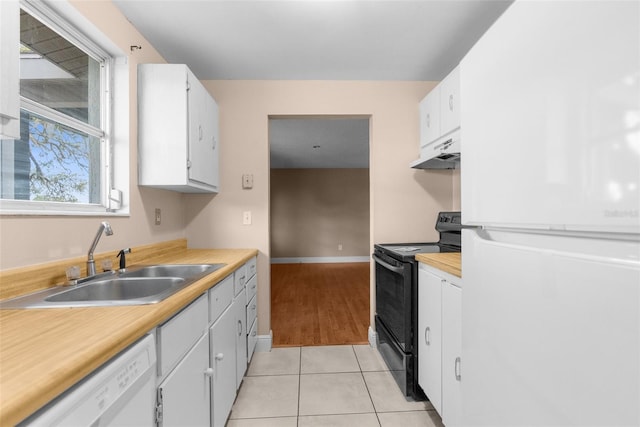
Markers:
64,19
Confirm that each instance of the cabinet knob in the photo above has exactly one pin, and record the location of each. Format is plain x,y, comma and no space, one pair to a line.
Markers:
456,369
199,133
219,356
427,333
428,120
451,102
213,142
239,327
208,372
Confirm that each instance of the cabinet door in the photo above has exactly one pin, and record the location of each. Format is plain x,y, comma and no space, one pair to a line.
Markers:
201,141
240,310
451,351
186,391
213,135
222,337
430,117
450,102
430,338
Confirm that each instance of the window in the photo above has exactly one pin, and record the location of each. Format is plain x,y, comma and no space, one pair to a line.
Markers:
62,161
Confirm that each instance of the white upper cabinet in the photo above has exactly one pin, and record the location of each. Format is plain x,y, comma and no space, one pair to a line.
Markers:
450,102
10,70
440,109
178,137
430,117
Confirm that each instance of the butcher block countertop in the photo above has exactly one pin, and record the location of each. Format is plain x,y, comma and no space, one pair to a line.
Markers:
45,351
447,262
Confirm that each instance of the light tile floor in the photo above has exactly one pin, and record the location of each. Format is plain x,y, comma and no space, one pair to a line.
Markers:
325,387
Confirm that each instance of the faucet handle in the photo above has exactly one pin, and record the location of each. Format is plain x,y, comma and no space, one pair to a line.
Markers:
123,261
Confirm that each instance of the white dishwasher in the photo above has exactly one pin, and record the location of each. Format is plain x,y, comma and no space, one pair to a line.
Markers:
119,393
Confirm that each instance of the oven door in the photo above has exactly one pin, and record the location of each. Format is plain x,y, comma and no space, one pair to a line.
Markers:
394,298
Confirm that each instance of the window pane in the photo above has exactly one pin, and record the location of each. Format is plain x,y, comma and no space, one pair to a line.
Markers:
57,74
51,162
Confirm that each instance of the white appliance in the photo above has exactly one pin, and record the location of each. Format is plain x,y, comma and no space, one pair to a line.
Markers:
120,393
551,182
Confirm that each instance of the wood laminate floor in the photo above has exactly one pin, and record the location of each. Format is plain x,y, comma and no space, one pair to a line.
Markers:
319,304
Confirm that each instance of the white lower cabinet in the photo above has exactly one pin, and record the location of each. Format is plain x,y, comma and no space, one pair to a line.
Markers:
430,336
223,363
203,353
440,341
451,351
184,393
239,308
184,396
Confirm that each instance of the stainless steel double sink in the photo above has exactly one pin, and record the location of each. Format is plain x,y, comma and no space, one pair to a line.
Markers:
132,286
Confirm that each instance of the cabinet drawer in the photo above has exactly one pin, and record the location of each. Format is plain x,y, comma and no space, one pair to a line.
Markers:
252,310
220,296
178,334
252,265
252,339
239,279
252,288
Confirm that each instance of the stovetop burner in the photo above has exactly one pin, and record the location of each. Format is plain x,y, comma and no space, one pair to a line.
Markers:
449,227
407,248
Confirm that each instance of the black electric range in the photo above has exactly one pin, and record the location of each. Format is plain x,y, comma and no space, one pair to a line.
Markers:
396,318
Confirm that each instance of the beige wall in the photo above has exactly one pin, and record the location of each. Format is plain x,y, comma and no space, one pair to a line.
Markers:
403,201
315,210
26,240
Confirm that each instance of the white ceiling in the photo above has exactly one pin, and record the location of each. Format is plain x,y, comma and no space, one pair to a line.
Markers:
314,39
310,143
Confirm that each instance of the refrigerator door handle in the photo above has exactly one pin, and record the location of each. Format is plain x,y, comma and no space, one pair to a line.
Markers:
551,244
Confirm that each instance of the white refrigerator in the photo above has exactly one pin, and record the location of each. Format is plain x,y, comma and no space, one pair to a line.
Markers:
550,119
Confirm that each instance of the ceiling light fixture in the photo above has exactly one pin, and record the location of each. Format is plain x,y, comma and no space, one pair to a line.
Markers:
316,146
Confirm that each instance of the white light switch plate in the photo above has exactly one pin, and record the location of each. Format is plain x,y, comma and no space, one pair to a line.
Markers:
247,181
246,218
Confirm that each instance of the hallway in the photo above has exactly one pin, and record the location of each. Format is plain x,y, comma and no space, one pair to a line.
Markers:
319,304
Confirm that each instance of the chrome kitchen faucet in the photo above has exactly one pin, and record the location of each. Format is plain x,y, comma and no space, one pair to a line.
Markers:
91,264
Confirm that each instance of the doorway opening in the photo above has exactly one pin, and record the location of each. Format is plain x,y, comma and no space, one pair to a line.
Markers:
319,229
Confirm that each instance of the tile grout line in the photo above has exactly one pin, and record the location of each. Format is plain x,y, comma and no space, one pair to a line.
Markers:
375,411
299,386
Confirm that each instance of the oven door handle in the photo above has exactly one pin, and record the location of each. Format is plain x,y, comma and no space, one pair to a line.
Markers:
388,266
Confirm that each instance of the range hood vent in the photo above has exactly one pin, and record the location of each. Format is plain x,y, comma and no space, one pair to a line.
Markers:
445,161
444,154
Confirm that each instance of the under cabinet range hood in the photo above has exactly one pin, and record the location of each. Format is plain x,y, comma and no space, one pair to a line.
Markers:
443,153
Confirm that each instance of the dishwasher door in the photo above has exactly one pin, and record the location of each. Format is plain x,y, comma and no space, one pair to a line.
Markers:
120,393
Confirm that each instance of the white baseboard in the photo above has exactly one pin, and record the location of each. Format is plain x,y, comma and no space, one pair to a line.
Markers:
373,338
264,342
317,260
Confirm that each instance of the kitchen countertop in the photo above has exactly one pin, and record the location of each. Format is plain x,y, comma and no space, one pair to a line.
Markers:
447,262
45,351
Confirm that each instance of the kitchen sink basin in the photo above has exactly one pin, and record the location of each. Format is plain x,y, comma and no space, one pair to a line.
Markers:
184,271
133,286
121,289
